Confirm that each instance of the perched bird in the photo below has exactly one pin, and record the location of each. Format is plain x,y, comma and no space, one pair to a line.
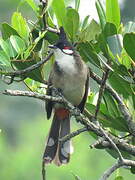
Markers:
70,76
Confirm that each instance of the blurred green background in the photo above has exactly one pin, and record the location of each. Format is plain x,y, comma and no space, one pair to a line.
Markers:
24,130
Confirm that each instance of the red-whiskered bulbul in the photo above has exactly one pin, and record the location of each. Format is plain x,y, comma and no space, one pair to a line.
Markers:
70,76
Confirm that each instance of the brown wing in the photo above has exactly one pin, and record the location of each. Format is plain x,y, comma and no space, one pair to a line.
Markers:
82,104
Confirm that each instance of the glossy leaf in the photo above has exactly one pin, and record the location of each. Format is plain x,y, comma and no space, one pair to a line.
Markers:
90,32
18,44
129,44
85,22
51,37
88,54
107,120
72,23
35,74
7,31
4,45
60,11
115,44
113,12
8,48
4,59
20,25
32,5
111,105
129,27
77,4
110,29
122,86
125,59
101,13
114,154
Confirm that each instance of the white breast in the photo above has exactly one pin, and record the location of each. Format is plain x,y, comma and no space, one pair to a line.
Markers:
66,62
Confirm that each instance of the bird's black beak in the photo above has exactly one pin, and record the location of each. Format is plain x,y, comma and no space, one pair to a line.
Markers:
52,46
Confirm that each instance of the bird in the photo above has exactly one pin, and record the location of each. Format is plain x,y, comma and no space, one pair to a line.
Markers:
70,76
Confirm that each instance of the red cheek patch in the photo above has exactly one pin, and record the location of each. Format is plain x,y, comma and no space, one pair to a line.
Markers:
67,47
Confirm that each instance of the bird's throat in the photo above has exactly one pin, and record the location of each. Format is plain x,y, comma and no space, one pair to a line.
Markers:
65,62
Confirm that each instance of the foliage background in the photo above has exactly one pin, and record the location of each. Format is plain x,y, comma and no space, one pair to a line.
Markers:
24,129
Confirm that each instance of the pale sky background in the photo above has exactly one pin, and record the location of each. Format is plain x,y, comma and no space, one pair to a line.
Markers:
87,7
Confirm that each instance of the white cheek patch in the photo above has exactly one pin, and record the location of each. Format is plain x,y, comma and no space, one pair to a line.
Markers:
67,51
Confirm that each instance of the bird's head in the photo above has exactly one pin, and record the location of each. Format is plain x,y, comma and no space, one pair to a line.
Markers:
62,44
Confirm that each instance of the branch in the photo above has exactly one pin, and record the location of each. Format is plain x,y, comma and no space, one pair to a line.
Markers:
101,91
111,170
73,134
117,165
28,69
124,110
32,94
50,29
82,119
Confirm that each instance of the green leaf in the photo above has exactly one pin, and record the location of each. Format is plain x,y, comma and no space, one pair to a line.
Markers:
111,105
4,59
32,5
12,52
125,59
5,47
35,74
129,44
115,44
115,155
129,27
77,4
101,13
113,12
7,31
107,120
20,25
85,23
72,23
90,32
122,86
119,178
60,11
18,44
49,4
110,29
87,53
51,37
8,48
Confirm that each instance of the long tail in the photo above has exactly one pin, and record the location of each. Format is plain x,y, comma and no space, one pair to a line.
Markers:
55,150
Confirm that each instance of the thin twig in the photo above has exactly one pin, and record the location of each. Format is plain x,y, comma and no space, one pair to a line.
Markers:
101,91
107,173
50,29
43,171
124,110
73,134
117,165
82,119
28,69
